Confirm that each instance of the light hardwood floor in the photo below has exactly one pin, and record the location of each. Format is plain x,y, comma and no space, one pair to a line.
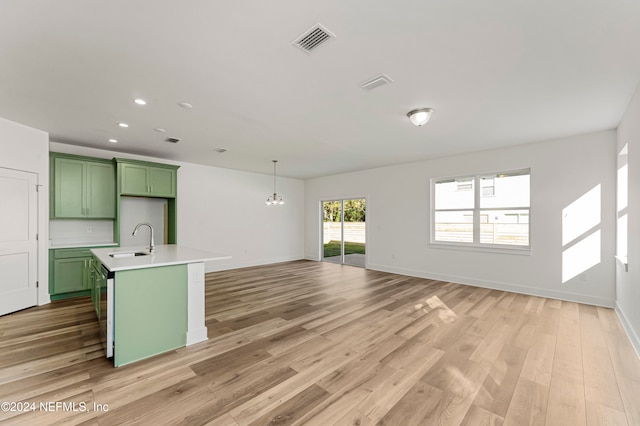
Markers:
323,344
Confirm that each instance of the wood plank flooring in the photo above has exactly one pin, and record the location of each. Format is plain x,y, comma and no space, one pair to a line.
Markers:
323,344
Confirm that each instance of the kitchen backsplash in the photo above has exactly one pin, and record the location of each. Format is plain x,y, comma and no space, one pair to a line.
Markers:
134,210
69,231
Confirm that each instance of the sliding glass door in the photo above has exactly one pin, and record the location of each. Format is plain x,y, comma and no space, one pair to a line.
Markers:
343,231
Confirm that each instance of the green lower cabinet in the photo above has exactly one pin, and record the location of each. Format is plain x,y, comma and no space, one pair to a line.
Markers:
69,273
97,282
73,272
150,312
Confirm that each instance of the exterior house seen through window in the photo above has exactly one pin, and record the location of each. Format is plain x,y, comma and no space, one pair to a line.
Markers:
487,210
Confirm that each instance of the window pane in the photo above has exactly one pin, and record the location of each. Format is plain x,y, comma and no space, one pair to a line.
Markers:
505,190
454,194
504,227
454,226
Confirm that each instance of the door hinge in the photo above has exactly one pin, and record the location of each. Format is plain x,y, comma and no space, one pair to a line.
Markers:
37,237
37,284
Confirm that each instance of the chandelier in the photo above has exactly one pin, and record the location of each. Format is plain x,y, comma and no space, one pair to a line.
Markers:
275,198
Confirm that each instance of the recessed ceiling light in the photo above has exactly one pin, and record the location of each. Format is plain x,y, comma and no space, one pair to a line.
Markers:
113,140
140,101
159,129
186,105
123,125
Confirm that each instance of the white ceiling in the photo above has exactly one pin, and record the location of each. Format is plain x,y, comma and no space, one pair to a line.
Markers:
497,73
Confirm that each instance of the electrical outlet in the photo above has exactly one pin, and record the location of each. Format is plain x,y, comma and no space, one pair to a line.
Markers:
89,229
393,255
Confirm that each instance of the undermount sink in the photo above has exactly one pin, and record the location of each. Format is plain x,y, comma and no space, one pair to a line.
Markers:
129,254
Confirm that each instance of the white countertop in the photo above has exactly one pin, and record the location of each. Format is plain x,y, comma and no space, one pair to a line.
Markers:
162,255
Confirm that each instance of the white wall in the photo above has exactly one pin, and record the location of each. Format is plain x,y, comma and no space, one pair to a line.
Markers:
27,149
398,217
628,283
224,211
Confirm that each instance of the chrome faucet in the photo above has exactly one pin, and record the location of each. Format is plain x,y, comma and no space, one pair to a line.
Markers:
151,244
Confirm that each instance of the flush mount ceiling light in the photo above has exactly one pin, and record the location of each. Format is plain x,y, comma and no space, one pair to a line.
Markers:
140,101
159,130
420,116
275,198
185,105
123,125
113,140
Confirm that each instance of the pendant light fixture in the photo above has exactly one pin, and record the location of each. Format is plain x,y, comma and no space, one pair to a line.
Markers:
420,116
275,198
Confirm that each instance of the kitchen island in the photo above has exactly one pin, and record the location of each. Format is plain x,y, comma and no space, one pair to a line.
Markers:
149,302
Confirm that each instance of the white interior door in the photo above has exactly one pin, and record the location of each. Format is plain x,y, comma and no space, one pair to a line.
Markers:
18,243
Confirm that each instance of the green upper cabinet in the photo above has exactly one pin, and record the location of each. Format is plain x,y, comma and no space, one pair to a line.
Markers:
145,179
82,188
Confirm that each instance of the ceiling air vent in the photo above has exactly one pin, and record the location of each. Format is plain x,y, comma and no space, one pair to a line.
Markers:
377,81
313,38
172,140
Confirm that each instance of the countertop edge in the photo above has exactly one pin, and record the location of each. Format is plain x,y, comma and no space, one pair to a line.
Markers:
165,255
159,265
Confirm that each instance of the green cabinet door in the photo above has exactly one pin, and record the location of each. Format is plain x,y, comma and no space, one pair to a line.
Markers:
69,275
143,179
82,188
101,286
135,179
101,190
97,283
68,188
162,182
94,286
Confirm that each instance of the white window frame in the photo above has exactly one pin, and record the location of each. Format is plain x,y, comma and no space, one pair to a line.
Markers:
476,245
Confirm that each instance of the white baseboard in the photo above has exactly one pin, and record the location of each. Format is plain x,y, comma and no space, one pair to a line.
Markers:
495,285
631,333
220,266
196,336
